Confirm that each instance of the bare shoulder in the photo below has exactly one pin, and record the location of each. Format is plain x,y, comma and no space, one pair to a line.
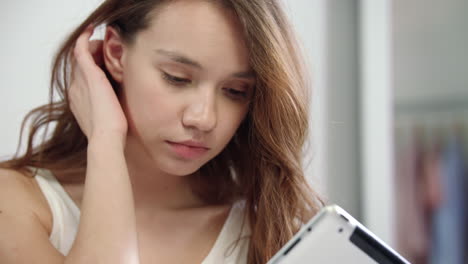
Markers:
25,221
20,192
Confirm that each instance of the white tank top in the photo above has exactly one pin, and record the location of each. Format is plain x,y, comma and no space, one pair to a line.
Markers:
66,215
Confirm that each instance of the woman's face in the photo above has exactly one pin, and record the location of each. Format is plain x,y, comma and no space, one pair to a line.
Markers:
186,82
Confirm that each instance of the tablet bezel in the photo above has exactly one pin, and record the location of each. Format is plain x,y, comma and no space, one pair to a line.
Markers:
360,236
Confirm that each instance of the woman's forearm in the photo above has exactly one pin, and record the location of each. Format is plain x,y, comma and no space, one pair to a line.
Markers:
107,230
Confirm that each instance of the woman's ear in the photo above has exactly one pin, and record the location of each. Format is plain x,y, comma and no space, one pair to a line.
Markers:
113,51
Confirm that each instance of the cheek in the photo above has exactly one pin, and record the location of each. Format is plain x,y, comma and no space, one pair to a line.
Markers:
149,107
229,122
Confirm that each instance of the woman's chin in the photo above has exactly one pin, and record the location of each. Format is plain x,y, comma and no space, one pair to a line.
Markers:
180,169
169,163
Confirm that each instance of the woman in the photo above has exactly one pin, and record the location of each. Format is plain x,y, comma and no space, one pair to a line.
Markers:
177,139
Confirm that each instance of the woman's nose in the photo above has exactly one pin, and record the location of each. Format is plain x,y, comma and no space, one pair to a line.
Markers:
201,112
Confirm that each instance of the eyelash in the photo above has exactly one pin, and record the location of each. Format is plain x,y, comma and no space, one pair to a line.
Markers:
179,82
175,80
236,94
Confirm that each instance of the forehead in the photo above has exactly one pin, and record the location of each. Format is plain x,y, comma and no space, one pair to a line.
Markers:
207,32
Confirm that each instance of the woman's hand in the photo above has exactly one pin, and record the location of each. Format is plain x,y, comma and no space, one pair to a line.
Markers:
92,99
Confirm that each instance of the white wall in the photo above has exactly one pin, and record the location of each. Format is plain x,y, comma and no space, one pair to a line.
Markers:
431,55
308,18
377,117
31,33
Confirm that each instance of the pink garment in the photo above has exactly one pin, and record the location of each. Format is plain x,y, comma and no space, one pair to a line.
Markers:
411,197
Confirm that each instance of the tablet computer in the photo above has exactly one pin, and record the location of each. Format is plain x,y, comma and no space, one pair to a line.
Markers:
333,236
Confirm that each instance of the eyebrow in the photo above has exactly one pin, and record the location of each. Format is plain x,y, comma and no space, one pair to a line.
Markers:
180,58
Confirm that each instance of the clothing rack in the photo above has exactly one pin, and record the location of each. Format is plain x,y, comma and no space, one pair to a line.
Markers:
431,142
443,107
444,115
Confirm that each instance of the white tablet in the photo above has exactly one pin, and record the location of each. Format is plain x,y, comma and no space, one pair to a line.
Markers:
333,236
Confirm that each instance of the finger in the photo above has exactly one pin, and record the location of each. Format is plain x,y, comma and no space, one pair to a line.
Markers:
81,51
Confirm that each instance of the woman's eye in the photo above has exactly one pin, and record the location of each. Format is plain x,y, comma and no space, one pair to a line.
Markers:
236,94
175,80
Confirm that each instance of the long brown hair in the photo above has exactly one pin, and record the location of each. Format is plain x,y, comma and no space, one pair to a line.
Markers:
263,162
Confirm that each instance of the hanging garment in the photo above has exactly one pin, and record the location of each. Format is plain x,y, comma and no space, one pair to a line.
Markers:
449,220
411,222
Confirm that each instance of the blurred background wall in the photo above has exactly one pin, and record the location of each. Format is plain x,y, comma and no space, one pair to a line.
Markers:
31,33
385,73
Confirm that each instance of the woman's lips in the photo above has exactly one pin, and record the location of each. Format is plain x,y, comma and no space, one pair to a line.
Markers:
186,151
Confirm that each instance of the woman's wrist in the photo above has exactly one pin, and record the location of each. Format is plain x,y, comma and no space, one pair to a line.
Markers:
100,141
